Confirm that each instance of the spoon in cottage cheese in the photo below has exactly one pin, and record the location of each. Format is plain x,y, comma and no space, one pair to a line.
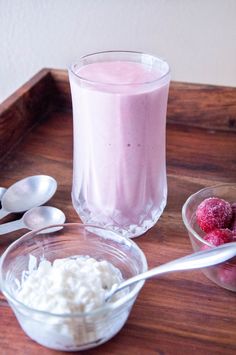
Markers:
27,193
196,260
2,192
35,218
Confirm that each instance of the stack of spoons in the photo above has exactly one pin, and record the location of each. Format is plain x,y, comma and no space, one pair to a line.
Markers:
28,195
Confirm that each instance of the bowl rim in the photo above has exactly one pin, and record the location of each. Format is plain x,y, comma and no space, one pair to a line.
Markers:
105,308
189,199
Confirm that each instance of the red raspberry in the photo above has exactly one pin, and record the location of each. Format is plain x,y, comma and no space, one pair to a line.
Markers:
227,274
233,224
219,236
213,213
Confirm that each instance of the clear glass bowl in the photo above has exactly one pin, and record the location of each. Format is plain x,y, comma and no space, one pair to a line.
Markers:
77,331
224,274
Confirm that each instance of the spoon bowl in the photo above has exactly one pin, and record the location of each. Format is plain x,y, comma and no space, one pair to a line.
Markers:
2,192
27,193
43,216
36,218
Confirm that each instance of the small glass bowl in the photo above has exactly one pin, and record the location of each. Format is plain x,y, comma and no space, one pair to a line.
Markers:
76,331
223,274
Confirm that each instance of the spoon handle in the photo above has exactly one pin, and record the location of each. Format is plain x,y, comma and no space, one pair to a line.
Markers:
3,213
11,226
196,260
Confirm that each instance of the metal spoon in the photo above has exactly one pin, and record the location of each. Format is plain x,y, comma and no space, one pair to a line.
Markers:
27,193
36,218
193,261
2,192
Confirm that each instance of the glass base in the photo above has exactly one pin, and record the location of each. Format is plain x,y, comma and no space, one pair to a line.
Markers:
128,230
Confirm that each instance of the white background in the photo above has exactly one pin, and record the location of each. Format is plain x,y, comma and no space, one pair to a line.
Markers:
196,37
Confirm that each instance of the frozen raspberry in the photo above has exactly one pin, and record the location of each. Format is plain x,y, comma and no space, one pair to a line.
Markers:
213,213
219,236
227,274
205,247
233,223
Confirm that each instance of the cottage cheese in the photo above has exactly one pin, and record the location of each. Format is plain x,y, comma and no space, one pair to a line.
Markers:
70,285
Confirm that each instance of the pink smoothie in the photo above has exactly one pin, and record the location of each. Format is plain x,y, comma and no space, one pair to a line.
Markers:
119,177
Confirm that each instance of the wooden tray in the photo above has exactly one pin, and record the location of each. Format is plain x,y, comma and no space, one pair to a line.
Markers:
182,313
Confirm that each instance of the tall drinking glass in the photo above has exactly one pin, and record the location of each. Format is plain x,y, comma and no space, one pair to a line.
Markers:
119,117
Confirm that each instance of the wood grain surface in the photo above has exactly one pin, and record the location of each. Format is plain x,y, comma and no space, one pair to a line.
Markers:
182,313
